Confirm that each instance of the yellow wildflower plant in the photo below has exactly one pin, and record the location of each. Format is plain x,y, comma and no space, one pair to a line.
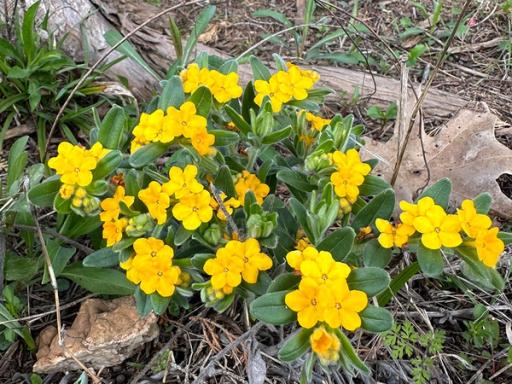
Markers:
229,205
66,191
225,270
183,121
323,269
411,211
150,127
156,200
182,182
74,164
309,301
297,257
317,122
113,231
202,141
110,205
250,182
325,345
344,307
271,89
471,221
193,209
253,259
489,246
225,87
349,175
438,229
393,235
194,77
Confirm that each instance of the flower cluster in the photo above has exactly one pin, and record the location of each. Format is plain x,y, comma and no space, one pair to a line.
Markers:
152,268
236,261
75,165
323,294
349,175
284,86
438,229
224,87
317,122
325,344
113,226
175,123
248,182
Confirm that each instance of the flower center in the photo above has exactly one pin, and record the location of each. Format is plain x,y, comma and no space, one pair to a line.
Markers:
226,269
77,170
195,209
337,306
160,273
153,254
437,229
313,302
246,259
325,277
183,123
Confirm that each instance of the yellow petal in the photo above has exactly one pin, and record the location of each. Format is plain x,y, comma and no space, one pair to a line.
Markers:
431,240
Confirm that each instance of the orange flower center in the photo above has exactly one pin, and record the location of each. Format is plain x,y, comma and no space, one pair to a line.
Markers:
325,277
226,269
153,253
437,229
313,302
160,273
337,306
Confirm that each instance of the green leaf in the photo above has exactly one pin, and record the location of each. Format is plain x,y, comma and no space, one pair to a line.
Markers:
202,99
200,26
104,257
159,303
483,203
259,70
112,128
108,164
224,138
339,243
302,217
42,195
295,179
11,100
271,309
440,192
172,94
381,206
176,38
229,66
277,16
28,35
182,235
113,37
224,181
371,280
59,256
295,346
506,237
147,154
487,277
16,163
142,302
10,323
78,226
348,351
238,120
397,283
430,260
376,256
102,281
376,319
284,282
277,136
373,185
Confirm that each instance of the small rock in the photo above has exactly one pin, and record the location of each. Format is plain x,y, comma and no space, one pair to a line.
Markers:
103,334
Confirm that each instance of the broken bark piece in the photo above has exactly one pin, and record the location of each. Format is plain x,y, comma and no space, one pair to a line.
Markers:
104,333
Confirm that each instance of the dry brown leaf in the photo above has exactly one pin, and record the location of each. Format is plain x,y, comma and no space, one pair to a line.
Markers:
465,150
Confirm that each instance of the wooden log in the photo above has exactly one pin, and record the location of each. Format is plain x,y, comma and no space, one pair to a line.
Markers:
92,18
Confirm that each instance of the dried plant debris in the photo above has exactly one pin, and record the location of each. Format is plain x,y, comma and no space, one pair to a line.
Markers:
465,150
104,334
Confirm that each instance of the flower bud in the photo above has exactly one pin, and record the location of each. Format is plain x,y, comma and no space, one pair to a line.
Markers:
345,206
90,204
139,225
213,234
66,191
317,162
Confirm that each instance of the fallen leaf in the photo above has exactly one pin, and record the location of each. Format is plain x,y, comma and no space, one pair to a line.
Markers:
465,150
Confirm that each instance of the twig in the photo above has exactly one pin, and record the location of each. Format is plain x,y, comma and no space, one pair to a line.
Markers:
224,351
100,60
218,199
425,91
2,260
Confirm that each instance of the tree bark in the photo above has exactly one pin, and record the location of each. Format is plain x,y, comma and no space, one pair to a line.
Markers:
92,18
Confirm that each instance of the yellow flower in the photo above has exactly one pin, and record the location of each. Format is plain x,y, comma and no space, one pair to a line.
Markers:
307,140
182,181
489,247
110,205
391,235
137,143
471,221
351,160
97,151
113,231
309,302
202,141
66,191
272,89
150,126
224,87
184,121
302,244
193,77
349,175
254,260
309,73
294,83
346,205
295,258
323,269
344,307
193,209
74,164
325,344
411,211
225,270
438,229
247,181
152,267
156,200
230,204
317,122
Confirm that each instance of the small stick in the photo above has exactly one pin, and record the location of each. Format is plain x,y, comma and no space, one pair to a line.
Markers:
218,199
